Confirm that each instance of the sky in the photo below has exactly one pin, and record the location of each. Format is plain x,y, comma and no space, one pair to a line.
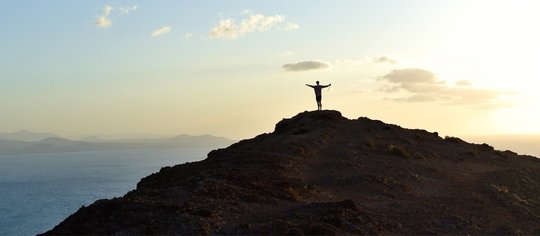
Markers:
236,68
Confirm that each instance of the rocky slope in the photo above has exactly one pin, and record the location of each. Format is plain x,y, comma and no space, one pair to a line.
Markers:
321,173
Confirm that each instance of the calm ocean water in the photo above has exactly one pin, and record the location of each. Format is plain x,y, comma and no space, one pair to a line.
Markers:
38,191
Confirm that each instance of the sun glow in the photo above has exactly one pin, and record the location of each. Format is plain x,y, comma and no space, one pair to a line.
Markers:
495,45
492,43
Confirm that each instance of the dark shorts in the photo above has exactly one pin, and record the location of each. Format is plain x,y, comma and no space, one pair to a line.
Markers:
318,98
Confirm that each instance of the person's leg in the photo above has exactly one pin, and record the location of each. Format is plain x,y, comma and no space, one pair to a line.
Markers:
319,105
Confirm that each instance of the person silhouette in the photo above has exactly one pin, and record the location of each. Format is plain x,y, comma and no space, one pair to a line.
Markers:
318,93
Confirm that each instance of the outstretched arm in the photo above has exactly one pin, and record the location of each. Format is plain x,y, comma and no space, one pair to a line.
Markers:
324,86
310,85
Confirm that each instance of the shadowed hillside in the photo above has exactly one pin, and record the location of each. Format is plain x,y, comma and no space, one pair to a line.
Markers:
321,173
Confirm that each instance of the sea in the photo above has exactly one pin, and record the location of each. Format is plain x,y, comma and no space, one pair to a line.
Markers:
38,191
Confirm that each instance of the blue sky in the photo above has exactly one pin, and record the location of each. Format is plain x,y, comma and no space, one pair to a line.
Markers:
63,72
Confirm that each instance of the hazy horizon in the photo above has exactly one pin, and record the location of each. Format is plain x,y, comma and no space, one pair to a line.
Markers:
105,136
459,68
523,144
127,135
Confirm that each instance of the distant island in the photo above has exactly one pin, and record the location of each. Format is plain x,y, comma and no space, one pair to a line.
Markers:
319,173
26,142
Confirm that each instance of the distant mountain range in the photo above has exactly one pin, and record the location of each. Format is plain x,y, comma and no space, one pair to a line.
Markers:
25,135
26,142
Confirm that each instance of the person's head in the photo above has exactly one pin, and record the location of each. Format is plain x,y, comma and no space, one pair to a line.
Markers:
317,82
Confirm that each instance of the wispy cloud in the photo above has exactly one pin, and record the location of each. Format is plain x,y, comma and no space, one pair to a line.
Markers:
305,65
291,26
161,31
367,61
285,53
229,29
385,59
103,20
424,86
246,12
463,83
188,35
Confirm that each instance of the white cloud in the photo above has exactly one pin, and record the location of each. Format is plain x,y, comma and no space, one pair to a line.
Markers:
161,31
124,10
225,29
259,23
305,65
291,26
103,20
228,29
188,35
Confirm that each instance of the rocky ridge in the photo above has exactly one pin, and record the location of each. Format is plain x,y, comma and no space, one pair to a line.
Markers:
321,173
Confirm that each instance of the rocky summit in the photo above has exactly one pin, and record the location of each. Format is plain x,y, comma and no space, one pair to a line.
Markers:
321,173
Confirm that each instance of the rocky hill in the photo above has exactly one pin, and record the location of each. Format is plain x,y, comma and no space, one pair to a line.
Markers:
321,173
